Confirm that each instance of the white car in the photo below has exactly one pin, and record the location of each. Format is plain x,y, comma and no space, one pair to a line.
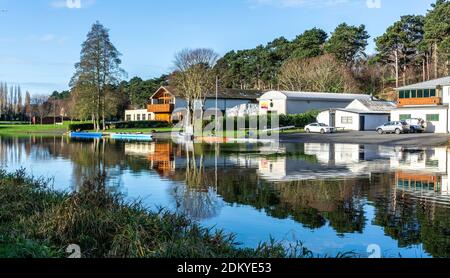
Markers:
319,128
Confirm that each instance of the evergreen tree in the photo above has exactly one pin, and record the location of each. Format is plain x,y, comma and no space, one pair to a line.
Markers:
437,33
348,43
98,70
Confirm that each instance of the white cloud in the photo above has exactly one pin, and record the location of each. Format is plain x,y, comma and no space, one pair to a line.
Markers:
72,4
374,4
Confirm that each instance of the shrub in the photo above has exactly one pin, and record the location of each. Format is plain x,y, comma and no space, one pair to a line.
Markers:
142,124
81,127
299,120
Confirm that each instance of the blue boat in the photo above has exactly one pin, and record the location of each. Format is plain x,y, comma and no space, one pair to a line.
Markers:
132,137
89,135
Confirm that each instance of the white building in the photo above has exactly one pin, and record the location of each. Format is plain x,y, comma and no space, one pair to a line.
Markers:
428,101
283,102
360,115
139,115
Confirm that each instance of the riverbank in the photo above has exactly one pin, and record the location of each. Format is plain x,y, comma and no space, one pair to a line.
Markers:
60,130
38,222
22,129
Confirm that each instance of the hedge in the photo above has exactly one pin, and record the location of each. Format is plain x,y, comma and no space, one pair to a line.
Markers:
297,120
81,127
142,124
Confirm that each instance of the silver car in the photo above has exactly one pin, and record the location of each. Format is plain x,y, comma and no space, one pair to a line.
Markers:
398,127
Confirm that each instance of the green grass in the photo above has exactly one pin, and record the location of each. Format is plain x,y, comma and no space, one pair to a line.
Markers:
26,129
17,129
38,222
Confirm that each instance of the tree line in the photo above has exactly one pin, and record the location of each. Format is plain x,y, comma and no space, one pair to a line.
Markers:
415,48
12,105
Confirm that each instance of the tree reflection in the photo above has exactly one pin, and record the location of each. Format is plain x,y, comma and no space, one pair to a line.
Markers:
197,198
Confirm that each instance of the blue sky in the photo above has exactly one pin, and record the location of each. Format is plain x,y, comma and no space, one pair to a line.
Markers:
40,39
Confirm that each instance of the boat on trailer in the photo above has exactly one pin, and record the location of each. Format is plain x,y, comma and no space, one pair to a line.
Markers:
132,137
88,135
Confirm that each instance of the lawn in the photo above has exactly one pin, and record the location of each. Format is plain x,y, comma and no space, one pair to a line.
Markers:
18,129
26,129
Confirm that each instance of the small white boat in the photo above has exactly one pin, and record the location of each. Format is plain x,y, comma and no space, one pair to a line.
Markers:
132,137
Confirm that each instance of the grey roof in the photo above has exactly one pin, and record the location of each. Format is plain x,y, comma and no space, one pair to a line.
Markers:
324,96
223,93
431,84
377,105
356,111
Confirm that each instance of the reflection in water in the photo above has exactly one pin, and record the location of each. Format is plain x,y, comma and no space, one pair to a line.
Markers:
334,197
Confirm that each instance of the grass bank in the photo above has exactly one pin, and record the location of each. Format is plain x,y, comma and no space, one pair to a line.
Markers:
38,222
24,129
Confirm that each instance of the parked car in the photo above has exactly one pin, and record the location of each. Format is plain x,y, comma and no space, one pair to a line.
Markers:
319,128
416,125
394,127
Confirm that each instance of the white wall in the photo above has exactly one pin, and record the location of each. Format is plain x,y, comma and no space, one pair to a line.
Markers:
324,117
356,105
446,94
141,112
353,126
432,127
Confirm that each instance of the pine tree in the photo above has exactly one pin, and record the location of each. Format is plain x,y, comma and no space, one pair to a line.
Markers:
98,69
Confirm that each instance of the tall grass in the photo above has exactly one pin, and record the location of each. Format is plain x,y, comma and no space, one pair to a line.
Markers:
36,221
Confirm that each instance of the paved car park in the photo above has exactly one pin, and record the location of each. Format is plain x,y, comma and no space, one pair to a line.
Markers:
370,137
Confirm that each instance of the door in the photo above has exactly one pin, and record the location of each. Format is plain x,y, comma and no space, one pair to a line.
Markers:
333,120
362,123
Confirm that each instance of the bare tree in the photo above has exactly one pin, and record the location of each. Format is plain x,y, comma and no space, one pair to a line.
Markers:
318,74
40,106
194,77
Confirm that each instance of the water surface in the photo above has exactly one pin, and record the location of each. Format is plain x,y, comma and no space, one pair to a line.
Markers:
333,197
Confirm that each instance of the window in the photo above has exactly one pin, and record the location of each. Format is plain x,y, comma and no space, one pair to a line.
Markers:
426,93
347,120
143,117
419,93
433,118
138,117
404,117
149,117
402,94
128,118
414,93
433,93
407,94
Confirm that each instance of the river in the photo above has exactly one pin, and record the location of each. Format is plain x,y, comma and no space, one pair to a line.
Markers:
332,197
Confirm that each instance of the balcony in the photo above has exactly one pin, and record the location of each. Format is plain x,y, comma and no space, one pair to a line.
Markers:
160,108
419,101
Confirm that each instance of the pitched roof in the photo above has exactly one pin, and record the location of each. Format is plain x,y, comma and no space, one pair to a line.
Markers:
356,111
223,93
431,84
377,105
323,96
